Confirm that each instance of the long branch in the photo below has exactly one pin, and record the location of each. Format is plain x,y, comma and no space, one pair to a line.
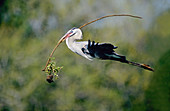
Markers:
109,16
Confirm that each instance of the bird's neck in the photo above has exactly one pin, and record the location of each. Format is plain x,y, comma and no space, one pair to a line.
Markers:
71,43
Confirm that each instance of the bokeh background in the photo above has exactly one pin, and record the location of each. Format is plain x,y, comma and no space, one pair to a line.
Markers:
29,29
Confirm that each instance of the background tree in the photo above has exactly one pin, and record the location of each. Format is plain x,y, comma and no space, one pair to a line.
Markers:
30,29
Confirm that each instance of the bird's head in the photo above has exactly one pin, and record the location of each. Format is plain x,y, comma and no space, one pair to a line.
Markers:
74,33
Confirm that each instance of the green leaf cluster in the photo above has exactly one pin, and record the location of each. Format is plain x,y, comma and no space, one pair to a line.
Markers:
52,69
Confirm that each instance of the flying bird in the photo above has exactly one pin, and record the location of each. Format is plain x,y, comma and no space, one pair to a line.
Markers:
92,50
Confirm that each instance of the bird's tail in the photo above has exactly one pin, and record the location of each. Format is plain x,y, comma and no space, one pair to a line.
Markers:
123,59
144,66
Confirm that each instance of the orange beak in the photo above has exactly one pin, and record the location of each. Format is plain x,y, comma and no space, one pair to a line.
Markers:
63,38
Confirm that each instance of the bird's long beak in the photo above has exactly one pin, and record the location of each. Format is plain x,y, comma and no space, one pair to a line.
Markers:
63,38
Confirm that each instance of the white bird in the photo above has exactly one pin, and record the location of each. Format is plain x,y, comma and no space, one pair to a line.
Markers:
91,50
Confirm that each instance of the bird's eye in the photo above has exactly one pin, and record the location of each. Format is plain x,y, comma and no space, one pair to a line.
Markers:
71,31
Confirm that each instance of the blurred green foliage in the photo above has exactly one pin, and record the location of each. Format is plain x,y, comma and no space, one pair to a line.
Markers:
30,29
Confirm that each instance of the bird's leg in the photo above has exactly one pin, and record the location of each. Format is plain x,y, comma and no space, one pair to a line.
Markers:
141,65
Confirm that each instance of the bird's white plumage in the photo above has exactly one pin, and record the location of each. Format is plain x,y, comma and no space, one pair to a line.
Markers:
75,46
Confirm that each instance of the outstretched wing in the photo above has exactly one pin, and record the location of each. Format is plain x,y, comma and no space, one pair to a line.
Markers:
102,51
